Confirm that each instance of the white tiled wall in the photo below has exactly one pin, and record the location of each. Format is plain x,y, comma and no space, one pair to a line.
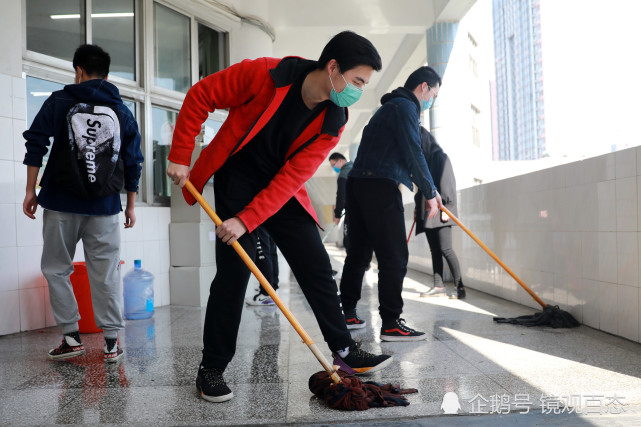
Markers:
24,295
572,233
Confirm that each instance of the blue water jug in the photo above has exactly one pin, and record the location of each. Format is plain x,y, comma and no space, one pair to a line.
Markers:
138,287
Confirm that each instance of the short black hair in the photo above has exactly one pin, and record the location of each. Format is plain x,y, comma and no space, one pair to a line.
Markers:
423,74
350,50
93,59
336,156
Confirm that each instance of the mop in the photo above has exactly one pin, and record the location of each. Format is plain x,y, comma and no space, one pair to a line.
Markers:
551,315
334,387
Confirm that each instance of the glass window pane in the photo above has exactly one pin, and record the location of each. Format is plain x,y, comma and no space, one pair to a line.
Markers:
37,93
132,107
112,28
212,47
163,122
209,131
171,44
55,28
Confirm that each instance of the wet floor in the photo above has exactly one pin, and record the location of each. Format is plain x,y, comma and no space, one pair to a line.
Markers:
493,374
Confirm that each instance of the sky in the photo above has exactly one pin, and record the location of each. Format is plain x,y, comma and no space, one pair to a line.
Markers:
592,75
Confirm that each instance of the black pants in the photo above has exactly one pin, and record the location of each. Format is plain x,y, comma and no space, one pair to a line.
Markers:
440,241
266,258
297,237
376,222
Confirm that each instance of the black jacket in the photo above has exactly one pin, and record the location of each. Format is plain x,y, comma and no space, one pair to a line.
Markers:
341,192
443,174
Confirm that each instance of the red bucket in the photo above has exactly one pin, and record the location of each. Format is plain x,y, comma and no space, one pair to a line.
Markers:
82,291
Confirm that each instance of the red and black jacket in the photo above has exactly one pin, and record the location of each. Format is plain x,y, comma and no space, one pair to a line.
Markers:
253,90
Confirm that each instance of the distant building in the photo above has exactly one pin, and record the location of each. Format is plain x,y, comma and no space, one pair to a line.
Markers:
519,80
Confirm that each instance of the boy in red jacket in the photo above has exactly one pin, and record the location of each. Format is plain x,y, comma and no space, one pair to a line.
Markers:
285,116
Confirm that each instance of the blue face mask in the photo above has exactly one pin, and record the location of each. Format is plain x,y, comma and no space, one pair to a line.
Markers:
347,96
426,104
337,169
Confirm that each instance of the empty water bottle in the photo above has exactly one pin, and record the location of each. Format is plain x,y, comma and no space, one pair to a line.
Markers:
138,287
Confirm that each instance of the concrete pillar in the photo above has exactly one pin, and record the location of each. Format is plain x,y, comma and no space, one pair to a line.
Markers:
440,40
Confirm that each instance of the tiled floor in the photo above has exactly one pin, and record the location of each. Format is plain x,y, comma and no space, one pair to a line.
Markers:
490,367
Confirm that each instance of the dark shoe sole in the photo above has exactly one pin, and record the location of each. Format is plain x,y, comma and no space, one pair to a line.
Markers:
66,355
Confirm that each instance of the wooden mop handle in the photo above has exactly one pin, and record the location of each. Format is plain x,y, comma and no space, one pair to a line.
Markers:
490,253
266,285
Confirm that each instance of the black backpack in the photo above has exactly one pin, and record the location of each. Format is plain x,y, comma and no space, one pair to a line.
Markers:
89,160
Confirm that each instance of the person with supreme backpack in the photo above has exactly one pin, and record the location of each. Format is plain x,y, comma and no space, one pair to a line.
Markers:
95,152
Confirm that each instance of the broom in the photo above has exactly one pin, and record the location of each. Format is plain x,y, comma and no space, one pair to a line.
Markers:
338,390
551,315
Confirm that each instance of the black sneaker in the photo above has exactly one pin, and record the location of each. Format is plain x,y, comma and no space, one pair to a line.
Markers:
211,385
435,292
397,331
113,351
359,361
353,321
71,347
460,292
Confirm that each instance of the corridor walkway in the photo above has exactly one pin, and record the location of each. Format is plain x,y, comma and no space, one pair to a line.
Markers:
492,369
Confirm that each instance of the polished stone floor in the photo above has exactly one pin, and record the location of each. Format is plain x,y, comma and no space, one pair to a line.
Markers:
496,372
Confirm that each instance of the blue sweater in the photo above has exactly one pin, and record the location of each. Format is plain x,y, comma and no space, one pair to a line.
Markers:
391,144
51,122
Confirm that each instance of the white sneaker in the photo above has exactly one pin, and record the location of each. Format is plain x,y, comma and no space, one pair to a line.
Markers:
260,299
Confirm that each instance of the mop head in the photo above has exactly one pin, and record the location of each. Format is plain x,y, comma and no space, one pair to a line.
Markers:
551,315
352,394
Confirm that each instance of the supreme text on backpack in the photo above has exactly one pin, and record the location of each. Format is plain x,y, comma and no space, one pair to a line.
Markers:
89,162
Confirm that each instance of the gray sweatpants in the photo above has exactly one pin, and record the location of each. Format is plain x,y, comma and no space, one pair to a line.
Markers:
100,236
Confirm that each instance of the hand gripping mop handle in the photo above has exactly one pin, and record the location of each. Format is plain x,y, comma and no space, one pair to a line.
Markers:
490,253
263,281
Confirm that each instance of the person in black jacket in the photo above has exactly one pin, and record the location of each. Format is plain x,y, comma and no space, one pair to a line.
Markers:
342,167
438,229
389,154
86,117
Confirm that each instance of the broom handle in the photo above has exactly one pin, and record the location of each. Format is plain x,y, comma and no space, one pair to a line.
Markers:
490,253
267,286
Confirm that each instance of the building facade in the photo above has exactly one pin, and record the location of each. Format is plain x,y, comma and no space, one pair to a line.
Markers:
519,80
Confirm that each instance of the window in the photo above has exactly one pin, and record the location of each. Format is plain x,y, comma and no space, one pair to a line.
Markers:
209,130
473,66
163,123
38,91
171,47
112,29
212,52
476,120
55,28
